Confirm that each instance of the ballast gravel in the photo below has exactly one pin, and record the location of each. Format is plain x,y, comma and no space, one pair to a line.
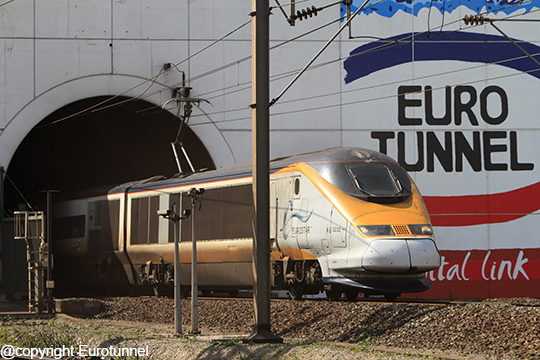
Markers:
489,329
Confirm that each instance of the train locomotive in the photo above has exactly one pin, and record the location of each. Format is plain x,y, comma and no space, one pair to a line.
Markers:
343,220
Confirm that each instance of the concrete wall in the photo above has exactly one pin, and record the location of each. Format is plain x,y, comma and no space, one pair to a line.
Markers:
60,51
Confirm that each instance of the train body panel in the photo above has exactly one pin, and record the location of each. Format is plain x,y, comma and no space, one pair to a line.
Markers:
339,219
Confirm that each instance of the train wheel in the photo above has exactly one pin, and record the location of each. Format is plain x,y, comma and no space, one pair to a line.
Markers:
296,291
233,293
352,295
333,294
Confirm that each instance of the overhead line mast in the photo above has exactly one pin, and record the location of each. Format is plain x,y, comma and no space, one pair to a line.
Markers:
260,41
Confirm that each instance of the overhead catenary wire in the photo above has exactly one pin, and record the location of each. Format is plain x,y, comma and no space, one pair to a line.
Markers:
373,86
515,44
371,50
215,122
351,102
391,42
180,63
100,106
404,39
248,57
18,191
7,2
280,76
386,84
153,79
213,71
276,99
284,5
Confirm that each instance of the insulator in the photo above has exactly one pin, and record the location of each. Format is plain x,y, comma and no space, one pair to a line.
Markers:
474,20
304,13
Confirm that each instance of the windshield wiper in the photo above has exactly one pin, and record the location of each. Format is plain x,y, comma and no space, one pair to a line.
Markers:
396,180
358,184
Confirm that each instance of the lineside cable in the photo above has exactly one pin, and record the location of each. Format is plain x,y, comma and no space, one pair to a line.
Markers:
19,191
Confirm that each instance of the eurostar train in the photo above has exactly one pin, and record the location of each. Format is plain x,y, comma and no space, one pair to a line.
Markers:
343,220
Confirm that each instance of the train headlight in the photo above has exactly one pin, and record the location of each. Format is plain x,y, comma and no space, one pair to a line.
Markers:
421,229
376,230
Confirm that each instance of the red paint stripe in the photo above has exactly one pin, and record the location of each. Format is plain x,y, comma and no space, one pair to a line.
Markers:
483,209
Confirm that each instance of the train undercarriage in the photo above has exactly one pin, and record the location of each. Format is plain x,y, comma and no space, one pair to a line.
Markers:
298,277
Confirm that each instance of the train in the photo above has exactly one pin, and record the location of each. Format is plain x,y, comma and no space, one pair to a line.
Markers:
344,220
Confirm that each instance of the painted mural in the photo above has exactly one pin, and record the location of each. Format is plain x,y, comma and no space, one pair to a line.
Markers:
456,103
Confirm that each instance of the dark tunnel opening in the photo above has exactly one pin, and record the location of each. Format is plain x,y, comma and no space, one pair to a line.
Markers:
126,140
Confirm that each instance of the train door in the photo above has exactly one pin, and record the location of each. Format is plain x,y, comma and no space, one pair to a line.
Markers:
337,230
274,206
284,204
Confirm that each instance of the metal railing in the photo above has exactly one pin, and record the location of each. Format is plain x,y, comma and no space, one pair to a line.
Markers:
30,227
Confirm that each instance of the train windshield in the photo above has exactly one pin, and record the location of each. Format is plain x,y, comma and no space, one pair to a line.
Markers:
367,175
375,179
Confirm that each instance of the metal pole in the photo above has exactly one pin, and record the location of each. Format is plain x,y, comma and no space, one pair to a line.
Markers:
292,11
1,195
261,177
49,286
177,293
1,221
194,290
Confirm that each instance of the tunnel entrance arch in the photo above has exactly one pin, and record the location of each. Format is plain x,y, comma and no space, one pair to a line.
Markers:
128,139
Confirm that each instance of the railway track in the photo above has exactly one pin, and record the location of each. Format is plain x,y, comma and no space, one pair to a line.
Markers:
375,301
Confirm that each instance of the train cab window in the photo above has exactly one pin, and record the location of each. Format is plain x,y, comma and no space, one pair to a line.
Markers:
374,179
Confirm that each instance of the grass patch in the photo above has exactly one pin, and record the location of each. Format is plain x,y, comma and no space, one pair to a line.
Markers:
37,334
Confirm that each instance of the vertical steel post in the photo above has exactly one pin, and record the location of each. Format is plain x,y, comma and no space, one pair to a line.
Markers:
177,293
261,177
292,11
49,286
194,289
1,196
1,221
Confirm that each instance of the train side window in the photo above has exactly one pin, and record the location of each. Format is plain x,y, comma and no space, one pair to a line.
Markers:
144,220
153,220
134,238
297,186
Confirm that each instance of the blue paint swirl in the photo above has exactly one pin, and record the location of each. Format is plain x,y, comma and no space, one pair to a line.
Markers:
289,215
458,46
389,8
